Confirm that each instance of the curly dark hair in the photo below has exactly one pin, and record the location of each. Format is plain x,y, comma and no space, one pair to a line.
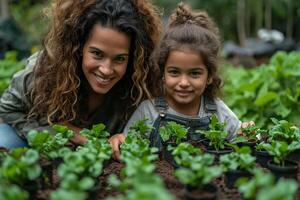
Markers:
59,83
193,31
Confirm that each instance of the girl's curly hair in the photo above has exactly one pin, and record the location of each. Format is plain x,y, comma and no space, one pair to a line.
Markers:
59,83
194,31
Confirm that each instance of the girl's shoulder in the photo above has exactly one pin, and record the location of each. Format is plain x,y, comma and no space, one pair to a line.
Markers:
147,104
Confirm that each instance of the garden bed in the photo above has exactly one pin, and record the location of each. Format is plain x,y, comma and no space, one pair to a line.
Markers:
165,170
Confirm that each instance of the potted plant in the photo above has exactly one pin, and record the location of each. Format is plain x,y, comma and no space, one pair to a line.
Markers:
262,155
250,136
216,138
21,167
287,132
80,169
237,164
279,165
264,187
172,134
198,175
12,192
185,153
50,146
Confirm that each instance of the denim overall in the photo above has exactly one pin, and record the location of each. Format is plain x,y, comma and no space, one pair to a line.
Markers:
193,124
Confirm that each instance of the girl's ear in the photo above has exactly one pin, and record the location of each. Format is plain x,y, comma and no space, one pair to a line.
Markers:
209,81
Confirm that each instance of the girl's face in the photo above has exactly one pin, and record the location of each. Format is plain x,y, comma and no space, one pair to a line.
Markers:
185,79
105,58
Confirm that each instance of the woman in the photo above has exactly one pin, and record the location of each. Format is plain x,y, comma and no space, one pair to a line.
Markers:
92,69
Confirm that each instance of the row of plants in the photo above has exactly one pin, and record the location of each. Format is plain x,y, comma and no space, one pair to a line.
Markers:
196,166
28,170
267,91
235,157
137,179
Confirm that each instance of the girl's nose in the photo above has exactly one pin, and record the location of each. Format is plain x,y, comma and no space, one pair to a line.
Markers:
184,82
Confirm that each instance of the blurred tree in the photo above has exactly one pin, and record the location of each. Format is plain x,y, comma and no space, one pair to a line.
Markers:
29,15
4,8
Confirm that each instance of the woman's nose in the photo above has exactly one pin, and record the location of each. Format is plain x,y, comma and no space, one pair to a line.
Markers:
106,67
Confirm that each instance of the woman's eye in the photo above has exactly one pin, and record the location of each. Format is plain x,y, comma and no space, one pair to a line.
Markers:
97,54
120,59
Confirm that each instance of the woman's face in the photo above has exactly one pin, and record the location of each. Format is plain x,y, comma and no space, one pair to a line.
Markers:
105,58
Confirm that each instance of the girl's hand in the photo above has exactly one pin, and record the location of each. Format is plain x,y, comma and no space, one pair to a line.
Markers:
115,141
247,124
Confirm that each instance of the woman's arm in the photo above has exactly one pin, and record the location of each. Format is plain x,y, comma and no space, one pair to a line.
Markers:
15,105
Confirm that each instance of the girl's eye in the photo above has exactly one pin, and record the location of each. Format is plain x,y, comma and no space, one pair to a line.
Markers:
173,72
195,74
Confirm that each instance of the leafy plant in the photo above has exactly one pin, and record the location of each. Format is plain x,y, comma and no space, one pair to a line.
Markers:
8,67
185,153
146,187
264,187
12,192
251,134
67,194
284,131
216,134
47,144
241,159
97,132
141,127
173,132
21,166
198,172
267,91
280,150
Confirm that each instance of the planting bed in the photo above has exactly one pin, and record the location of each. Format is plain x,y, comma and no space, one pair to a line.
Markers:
165,171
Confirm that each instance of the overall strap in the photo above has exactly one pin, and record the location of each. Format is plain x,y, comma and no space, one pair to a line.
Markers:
161,106
210,105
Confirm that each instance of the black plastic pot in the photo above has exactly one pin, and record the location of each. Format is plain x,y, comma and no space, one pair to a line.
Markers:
196,137
289,170
250,144
46,179
31,187
93,192
233,175
167,155
57,161
205,143
207,192
218,153
262,157
294,156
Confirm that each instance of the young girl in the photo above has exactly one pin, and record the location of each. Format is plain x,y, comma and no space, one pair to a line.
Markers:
187,60
92,69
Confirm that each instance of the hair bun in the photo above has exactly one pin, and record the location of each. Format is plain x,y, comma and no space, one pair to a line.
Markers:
184,15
